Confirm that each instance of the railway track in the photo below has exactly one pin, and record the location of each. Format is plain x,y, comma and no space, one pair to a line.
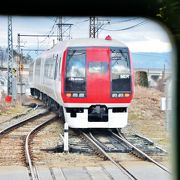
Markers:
15,140
100,152
20,117
20,135
106,145
139,152
32,169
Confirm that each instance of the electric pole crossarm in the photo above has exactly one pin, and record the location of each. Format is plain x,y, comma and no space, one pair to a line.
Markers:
37,35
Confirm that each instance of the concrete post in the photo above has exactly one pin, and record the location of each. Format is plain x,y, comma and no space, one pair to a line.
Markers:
163,104
66,143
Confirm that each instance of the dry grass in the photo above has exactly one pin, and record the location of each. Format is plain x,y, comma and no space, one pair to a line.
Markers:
146,117
9,110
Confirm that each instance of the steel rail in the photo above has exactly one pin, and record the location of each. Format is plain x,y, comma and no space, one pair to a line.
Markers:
33,173
140,152
18,116
16,125
121,167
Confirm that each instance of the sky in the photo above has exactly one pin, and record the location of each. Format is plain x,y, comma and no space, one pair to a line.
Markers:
145,35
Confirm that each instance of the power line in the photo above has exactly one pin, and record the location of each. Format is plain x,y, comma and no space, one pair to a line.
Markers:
50,30
123,29
126,20
67,19
34,49
82,21
37,35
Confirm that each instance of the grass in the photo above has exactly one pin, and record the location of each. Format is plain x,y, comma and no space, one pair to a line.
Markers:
146,118
9,109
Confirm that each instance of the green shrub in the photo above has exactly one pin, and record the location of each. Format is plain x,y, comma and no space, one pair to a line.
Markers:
141,78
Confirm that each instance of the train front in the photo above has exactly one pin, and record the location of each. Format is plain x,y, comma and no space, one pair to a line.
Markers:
97,86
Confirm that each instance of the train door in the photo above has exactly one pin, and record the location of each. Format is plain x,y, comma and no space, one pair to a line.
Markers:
98,74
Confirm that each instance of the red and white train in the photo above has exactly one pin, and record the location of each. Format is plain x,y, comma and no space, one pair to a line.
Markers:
90,82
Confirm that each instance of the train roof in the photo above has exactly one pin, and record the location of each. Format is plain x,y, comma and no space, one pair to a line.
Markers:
85,42
92,42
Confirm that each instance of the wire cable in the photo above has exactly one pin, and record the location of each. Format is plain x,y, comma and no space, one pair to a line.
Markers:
123,29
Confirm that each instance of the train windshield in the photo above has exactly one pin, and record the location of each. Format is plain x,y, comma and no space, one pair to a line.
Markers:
75,70
120,70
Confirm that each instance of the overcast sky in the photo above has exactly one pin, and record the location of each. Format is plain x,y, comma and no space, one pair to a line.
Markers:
145,36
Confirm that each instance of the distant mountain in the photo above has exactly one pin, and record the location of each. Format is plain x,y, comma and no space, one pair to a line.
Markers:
152,60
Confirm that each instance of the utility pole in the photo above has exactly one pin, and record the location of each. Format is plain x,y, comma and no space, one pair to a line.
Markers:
1,57
92,27
19,62
95,25
60,35
19,58
20,84
11,89
62,30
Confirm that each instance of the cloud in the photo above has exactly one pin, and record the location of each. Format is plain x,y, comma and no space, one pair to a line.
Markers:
150,37
152,45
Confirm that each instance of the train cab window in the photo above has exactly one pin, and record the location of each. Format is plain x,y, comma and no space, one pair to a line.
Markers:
98,67
120,70
75,70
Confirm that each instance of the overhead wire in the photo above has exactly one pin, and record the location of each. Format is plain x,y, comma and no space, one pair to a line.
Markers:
51,32
126,20
123,29
48,34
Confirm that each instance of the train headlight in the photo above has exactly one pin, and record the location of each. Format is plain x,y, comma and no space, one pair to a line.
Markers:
75,95
114,95
81,95
126,94
68,94
120,95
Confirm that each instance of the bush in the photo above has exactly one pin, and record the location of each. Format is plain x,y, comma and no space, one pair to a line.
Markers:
141,78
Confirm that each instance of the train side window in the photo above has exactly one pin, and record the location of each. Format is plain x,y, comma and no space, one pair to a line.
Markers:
56,68
59,67
49,68
37,67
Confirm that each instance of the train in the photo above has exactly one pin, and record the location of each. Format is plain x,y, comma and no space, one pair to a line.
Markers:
88,81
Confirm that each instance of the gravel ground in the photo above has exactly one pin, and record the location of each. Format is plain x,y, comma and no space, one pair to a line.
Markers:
49,137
